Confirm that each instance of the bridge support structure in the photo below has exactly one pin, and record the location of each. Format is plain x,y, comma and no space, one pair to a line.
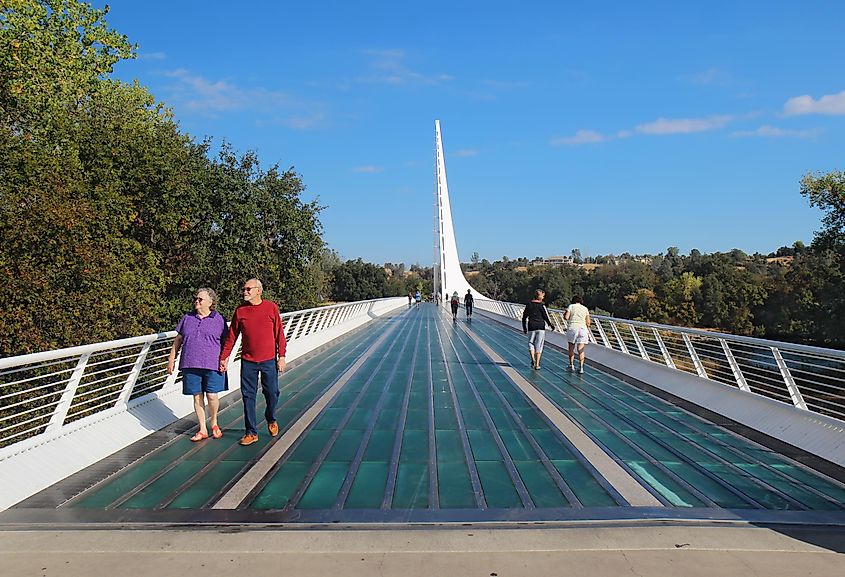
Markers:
448,276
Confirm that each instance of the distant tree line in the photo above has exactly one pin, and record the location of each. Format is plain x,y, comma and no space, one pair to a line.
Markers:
800,300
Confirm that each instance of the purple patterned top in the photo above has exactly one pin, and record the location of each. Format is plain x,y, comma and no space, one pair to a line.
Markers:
202,340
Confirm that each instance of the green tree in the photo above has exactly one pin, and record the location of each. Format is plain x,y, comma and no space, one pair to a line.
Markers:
826,191
357,280
109,216
681,293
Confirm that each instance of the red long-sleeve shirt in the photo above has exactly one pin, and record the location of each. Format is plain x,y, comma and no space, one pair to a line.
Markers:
263,335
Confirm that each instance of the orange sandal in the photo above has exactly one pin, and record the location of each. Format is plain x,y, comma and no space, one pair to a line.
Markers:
200,436
216,432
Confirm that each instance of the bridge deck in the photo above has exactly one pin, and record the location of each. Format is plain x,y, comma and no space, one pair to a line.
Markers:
426,420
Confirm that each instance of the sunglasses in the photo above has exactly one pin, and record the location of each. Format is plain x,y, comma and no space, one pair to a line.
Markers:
250,288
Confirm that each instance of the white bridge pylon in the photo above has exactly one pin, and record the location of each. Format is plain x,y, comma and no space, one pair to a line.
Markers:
448,276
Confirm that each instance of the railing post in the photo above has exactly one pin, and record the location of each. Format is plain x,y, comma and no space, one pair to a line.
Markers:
61,410
792,387
699,368
133,376
639,342
622,346
740,378
295,328
666,356
604,338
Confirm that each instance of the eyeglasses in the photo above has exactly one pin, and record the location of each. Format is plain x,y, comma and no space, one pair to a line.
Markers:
250,288
198,299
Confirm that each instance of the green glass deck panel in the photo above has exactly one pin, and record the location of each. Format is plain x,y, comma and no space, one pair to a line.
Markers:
478,422
706,458
430,425
305,382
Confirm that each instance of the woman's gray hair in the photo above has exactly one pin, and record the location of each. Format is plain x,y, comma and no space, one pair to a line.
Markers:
211,294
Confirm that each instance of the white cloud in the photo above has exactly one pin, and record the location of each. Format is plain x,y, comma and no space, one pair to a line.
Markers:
199,93
683,125
833,104
196,93
580,137
709,77
152,56
767,131
389,67
367,169
465,153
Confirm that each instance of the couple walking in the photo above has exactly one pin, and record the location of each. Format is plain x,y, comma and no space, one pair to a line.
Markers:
206,345
535,317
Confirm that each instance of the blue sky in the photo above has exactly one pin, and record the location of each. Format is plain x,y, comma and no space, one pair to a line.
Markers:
604,126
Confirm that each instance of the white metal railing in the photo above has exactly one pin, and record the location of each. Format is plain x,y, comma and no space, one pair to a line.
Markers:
811,378
42,393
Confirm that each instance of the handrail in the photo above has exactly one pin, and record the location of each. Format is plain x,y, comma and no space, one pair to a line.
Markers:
42,393
808,377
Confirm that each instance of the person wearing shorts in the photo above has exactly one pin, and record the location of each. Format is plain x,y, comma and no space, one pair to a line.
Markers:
535,317
578,331
200,336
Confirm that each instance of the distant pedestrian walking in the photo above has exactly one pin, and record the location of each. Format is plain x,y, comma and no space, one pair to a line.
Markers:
455,302
578,331
410,298
535,317
418,297
468,302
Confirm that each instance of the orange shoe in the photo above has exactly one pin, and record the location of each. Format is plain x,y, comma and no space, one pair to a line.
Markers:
200,436
216,432
273,428
248,439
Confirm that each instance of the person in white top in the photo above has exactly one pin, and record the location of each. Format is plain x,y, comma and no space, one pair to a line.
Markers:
578,331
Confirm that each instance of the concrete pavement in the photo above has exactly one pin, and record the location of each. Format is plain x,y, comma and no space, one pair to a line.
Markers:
656,551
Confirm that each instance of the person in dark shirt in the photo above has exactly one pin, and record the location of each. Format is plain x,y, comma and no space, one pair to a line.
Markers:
468,302
535,317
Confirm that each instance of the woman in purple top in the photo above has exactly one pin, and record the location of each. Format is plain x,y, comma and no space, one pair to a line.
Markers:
201,335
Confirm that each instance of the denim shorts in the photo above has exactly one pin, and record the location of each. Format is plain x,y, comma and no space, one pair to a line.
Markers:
196,381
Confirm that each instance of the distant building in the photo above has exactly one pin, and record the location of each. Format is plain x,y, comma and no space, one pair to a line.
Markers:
553,261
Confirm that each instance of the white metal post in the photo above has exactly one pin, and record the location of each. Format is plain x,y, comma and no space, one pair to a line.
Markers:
133,376
61,410
792,387
603,334
699,368
639,342
622,346
666,356
740,378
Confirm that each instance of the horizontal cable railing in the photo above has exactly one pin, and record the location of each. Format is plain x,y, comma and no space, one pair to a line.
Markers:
42,392
811,378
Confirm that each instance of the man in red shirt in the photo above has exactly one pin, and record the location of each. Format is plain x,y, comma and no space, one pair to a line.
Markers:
263,350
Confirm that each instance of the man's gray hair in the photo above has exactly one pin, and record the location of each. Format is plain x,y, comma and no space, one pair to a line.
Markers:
257,283
211,294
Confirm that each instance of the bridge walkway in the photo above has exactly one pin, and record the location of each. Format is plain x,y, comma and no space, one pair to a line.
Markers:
421,419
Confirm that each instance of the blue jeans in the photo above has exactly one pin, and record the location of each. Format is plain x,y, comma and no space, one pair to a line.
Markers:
249,389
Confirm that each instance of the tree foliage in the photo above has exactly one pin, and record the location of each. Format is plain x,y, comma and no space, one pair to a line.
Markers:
110,216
